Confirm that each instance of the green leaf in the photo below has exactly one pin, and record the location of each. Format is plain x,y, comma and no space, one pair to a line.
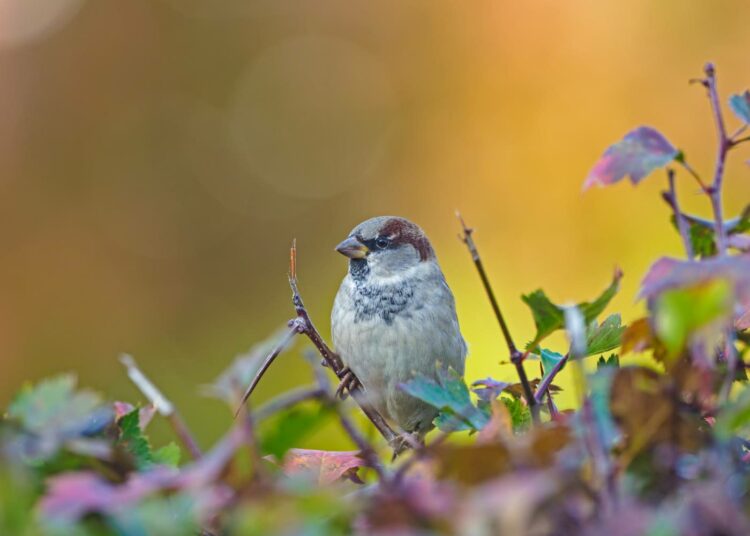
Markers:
169,454
734,418
549,360
702,240
592,310
53,412
134,441
549,317
520,415
740,105
682,312
612,361
600,384
289,428
605,337
449,394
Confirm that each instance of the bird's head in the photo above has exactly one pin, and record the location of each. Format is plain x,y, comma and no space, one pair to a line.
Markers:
386,246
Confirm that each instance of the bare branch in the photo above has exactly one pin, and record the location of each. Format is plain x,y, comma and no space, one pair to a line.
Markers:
693,173
670,197
516,356
162,405
293,330
724,144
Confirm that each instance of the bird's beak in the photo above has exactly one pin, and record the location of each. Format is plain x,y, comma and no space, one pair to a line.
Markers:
353,248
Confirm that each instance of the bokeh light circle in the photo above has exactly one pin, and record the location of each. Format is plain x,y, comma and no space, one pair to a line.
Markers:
26,21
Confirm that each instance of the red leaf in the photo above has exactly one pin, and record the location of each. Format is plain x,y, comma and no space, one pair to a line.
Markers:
326,466
639,153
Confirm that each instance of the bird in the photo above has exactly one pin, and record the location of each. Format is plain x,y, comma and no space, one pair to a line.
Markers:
394,318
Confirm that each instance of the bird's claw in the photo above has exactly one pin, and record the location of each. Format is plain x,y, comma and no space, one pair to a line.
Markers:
348,383
405,441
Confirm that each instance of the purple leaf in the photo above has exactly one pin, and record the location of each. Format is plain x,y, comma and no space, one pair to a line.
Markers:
70,496
639,153
489,389
740,105
667,274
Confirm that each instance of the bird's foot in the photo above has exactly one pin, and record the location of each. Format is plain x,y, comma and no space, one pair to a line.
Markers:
405,441
348,382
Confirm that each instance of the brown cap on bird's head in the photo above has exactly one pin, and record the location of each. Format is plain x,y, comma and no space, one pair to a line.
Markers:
382,233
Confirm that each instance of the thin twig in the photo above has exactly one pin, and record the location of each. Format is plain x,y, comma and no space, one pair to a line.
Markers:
737,132
548,379
724,145
162,405
693,174
516,356
293,330
670,197
740,140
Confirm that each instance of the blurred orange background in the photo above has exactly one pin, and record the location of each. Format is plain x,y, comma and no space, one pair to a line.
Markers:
157,157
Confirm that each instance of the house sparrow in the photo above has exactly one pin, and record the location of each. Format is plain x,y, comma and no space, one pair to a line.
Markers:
394,317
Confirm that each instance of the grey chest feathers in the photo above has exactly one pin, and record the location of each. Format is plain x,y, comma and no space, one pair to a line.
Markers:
385,301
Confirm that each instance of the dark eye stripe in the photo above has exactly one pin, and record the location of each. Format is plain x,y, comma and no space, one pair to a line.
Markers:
378,243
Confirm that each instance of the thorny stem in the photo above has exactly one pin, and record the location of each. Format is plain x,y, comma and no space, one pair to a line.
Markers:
724,144
162,405
670,197
516,356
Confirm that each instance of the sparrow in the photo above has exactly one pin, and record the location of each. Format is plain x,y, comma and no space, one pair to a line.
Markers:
394,317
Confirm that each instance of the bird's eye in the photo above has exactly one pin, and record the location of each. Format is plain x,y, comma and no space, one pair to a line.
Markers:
381,242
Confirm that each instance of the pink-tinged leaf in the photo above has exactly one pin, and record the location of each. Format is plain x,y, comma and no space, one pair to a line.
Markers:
324,465
666,274
639,153
145,414
70,496
740,105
